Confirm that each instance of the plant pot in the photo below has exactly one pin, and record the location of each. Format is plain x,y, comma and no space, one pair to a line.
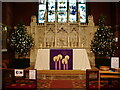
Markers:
102,61
21,63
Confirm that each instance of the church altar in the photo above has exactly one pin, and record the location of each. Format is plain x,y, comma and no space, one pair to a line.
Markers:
78,59
57,35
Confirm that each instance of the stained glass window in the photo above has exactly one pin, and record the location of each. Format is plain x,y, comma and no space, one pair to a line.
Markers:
62,10
73,11
51,10
62,7
82,10
42,9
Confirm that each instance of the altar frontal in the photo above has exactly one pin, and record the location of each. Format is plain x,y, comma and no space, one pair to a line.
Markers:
62,59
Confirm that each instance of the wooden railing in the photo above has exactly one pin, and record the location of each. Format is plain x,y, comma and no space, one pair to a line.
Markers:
96,76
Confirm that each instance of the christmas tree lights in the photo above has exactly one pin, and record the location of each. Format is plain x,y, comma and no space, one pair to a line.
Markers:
21,41
103,43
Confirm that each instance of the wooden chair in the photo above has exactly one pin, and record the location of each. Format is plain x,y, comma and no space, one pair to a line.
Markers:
92,78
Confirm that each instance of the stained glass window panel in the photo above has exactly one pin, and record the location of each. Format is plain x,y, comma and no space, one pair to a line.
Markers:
62,11
51,10
41,12
82,10
73,9
42,9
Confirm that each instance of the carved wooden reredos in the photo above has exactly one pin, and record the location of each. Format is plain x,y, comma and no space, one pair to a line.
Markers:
62,35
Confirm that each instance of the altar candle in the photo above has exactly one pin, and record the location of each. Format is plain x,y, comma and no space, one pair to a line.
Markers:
55,65
59,64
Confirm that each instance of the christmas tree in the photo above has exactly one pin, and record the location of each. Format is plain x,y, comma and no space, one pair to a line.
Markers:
21,41
103,43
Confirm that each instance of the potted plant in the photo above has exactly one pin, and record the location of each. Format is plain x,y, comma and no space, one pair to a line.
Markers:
21,42
103,45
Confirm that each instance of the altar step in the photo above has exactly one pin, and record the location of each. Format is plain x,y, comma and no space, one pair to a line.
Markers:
80,77
61,75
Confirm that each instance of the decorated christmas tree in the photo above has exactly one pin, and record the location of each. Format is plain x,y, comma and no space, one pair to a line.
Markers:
103,43
21,41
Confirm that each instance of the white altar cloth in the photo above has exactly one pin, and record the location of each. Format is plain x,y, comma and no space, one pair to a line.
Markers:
80,59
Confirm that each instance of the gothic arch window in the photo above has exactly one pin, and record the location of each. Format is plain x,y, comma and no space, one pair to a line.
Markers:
62,11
